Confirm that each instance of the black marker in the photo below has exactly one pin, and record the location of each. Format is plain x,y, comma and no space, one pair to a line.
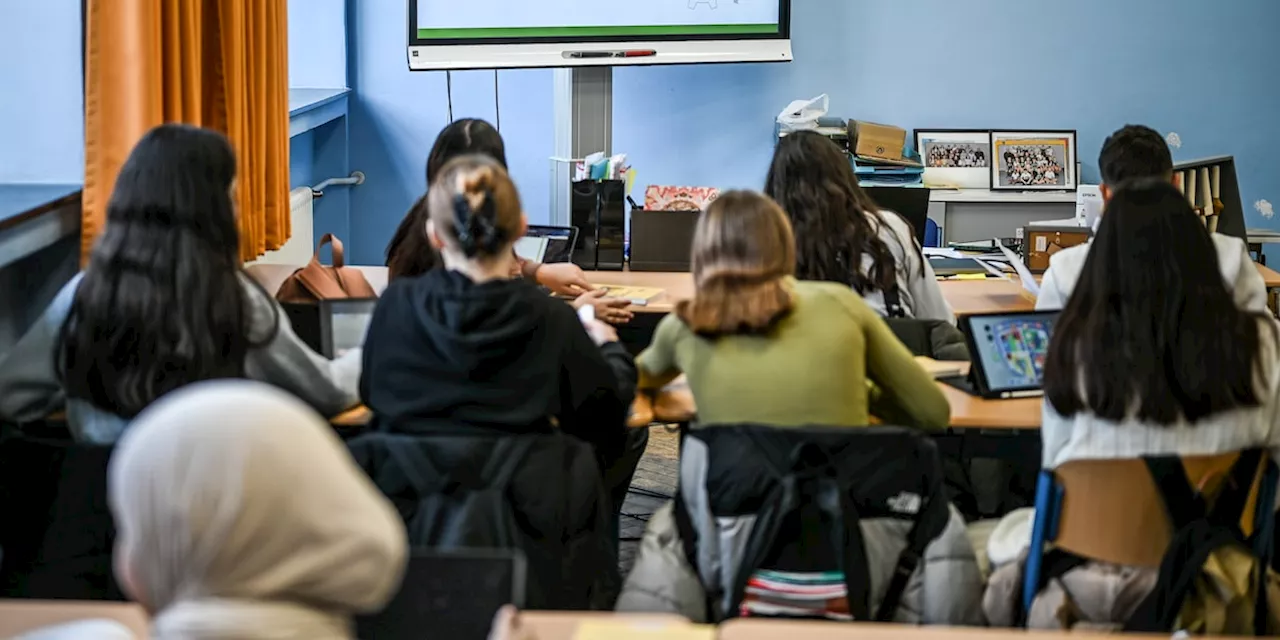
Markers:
589,54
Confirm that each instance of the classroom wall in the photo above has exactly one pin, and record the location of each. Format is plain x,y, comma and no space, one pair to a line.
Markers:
41,114
396,114
317,44
1204,70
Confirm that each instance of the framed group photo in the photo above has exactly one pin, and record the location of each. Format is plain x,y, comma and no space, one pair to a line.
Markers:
1033,161
958,158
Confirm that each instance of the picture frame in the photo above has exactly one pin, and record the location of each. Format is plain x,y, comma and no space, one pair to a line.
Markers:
955,158
1034,160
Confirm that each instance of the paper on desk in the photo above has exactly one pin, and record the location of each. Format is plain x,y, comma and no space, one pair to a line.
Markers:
620,630
991,268
942,252
1028,281
631,293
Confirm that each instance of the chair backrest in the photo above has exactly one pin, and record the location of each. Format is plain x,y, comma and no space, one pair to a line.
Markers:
1112,511
57,531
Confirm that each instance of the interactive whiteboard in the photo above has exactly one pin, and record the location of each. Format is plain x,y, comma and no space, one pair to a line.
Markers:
483,34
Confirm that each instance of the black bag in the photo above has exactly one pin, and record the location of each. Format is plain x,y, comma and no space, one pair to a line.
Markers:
937,339
598,209
811,489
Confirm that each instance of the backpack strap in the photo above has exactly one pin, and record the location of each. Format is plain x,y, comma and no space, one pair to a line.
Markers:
893,300
923,531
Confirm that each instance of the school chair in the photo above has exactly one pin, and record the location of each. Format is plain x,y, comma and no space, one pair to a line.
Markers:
58,533
1113,511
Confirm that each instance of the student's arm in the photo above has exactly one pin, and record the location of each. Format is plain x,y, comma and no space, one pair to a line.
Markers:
927,295
598,385
1051,297
329,386
1248,289
657,363
29,386
908,394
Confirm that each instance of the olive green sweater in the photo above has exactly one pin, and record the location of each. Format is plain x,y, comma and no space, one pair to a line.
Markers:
813,368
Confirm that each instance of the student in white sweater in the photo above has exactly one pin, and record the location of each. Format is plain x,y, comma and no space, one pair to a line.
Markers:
1150,355
842,236
1136,152
163,303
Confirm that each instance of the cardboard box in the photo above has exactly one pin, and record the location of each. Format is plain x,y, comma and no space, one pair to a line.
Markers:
877,141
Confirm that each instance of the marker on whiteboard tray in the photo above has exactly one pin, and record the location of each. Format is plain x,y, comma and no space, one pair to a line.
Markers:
590,54
639,53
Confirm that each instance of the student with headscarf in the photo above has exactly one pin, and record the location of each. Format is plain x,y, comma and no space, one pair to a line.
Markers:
241,515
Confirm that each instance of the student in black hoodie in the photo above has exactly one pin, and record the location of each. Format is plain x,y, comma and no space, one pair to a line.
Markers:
469,346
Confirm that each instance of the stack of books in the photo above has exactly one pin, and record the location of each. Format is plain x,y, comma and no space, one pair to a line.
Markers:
789,594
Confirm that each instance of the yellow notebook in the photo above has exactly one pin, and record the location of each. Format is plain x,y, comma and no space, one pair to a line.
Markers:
631,293
617,630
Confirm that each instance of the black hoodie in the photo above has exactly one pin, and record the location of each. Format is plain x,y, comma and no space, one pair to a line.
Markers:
444,352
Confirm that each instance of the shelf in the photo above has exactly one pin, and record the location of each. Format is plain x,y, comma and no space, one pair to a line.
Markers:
311,108
34,216
995,197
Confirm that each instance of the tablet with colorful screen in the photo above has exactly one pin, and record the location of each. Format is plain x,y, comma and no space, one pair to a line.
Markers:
1008,351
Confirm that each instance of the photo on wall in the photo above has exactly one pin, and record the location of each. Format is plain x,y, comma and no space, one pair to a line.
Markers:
955,158
1033,160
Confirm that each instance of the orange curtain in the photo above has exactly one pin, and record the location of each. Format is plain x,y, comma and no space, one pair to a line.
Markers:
221,64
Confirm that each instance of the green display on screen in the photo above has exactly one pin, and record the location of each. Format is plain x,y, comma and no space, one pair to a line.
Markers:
593,32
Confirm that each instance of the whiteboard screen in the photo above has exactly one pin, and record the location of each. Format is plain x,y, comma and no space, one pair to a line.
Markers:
448,34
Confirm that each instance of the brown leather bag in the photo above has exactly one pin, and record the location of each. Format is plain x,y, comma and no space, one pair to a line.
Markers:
316,282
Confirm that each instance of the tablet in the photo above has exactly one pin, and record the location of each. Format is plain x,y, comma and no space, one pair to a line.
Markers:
1008,351
449,594
548,245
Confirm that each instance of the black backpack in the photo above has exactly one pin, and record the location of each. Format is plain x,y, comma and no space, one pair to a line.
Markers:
809,489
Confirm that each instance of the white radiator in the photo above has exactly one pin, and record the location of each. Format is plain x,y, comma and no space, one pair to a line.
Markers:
302,243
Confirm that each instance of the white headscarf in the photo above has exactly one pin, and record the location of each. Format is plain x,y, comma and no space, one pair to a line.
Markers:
240,514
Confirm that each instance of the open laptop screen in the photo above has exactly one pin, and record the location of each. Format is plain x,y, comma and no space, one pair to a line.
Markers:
348,322
1010,348
547,244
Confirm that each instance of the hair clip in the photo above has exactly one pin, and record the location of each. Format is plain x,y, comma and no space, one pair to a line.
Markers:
462,219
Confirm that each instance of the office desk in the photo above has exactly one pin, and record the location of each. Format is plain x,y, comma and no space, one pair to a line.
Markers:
21,616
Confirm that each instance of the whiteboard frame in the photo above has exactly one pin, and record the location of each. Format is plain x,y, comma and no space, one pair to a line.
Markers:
529,53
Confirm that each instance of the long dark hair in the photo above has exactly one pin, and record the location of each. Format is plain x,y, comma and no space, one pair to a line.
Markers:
813,181
1151,330
162,302
410,253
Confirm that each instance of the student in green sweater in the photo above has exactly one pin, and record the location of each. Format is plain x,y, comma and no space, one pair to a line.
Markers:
759,347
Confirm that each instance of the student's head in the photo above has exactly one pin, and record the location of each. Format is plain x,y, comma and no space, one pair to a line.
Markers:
239,514
475,211
743,252
835,222
1132,153
410,253
161,303
1151,328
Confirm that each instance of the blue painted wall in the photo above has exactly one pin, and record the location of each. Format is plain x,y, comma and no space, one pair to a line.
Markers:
396,114
1205,70
42,111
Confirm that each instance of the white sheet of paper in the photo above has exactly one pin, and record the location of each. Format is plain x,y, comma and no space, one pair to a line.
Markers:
991,268
1028,280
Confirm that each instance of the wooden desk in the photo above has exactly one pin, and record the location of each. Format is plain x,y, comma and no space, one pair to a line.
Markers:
743,629
563,625
967,297
21,616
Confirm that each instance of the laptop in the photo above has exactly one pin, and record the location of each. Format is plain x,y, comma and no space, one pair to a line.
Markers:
1008,351
662,240
332,327
449,594
912,203
548,245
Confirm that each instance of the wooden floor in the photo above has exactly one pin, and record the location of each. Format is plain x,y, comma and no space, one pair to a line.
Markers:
653,486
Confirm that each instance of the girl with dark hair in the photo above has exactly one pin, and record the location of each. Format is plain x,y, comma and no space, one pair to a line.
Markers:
1151,356
163,303
842,236
410,253
760,347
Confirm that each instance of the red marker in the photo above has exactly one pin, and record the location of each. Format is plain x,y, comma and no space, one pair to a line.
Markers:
642,53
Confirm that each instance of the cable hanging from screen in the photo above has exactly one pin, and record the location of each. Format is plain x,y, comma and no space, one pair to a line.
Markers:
448,89
497,106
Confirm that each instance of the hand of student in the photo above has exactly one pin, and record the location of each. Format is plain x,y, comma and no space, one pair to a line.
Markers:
563,278
611,310
506,626
600,332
